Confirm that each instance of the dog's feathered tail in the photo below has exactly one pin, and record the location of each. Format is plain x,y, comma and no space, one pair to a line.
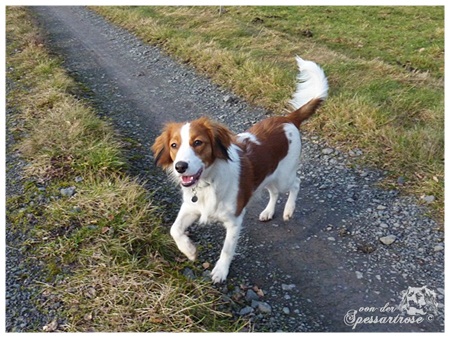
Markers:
312,90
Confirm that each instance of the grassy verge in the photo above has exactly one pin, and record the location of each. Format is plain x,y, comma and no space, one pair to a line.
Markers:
385,67
107,259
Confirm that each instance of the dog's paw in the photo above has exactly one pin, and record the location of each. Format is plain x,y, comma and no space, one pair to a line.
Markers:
220,272
192,254
287,215
288,212
266,215
189,249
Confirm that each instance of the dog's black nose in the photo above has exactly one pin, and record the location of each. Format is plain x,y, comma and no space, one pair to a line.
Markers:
181,166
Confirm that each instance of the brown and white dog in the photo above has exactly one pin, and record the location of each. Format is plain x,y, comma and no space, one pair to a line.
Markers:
219,171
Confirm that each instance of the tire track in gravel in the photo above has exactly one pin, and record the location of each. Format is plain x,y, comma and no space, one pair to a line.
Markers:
314,269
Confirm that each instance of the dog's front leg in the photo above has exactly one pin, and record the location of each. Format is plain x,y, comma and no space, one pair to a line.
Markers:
186,216
222,267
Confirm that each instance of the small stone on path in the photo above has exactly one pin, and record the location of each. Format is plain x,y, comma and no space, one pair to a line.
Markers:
388,240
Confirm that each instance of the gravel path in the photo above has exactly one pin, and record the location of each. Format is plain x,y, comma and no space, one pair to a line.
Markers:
22,292
350,245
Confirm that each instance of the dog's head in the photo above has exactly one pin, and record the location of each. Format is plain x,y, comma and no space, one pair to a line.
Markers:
418,300
188,149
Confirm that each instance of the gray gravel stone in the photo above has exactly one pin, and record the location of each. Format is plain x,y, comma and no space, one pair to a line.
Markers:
438,248
355,153
262,307
188,273
246,310
388,240
287,287
251,295
429,199
229,99
327,151
68,192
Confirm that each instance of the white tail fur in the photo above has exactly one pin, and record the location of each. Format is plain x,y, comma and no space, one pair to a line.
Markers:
311,83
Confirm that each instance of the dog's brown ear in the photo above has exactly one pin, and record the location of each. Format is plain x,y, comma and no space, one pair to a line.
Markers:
222,140
219,136
160,149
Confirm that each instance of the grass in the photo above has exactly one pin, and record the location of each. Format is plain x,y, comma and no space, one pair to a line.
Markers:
385,67
106,257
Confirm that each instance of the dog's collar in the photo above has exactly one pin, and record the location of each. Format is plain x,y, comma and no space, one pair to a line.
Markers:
194,198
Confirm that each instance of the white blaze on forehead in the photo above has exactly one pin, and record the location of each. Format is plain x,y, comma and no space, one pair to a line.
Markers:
185,134
186,153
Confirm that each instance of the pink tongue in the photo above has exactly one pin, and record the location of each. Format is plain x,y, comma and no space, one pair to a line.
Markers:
187,179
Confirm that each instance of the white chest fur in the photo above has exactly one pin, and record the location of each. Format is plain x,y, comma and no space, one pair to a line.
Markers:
215,197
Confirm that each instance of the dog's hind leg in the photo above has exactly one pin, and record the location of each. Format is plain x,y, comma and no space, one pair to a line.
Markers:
220,271
184,219
290,203
267,213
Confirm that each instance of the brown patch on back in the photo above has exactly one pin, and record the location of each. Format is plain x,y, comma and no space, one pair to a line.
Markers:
260,160
246,184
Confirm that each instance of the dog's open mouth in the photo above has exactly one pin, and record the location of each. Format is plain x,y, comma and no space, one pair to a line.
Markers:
187,181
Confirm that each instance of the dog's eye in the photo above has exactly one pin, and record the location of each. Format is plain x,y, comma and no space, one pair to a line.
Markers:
173,145
197,143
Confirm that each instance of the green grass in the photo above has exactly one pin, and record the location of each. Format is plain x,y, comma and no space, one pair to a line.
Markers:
106,257
394,34
385,67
